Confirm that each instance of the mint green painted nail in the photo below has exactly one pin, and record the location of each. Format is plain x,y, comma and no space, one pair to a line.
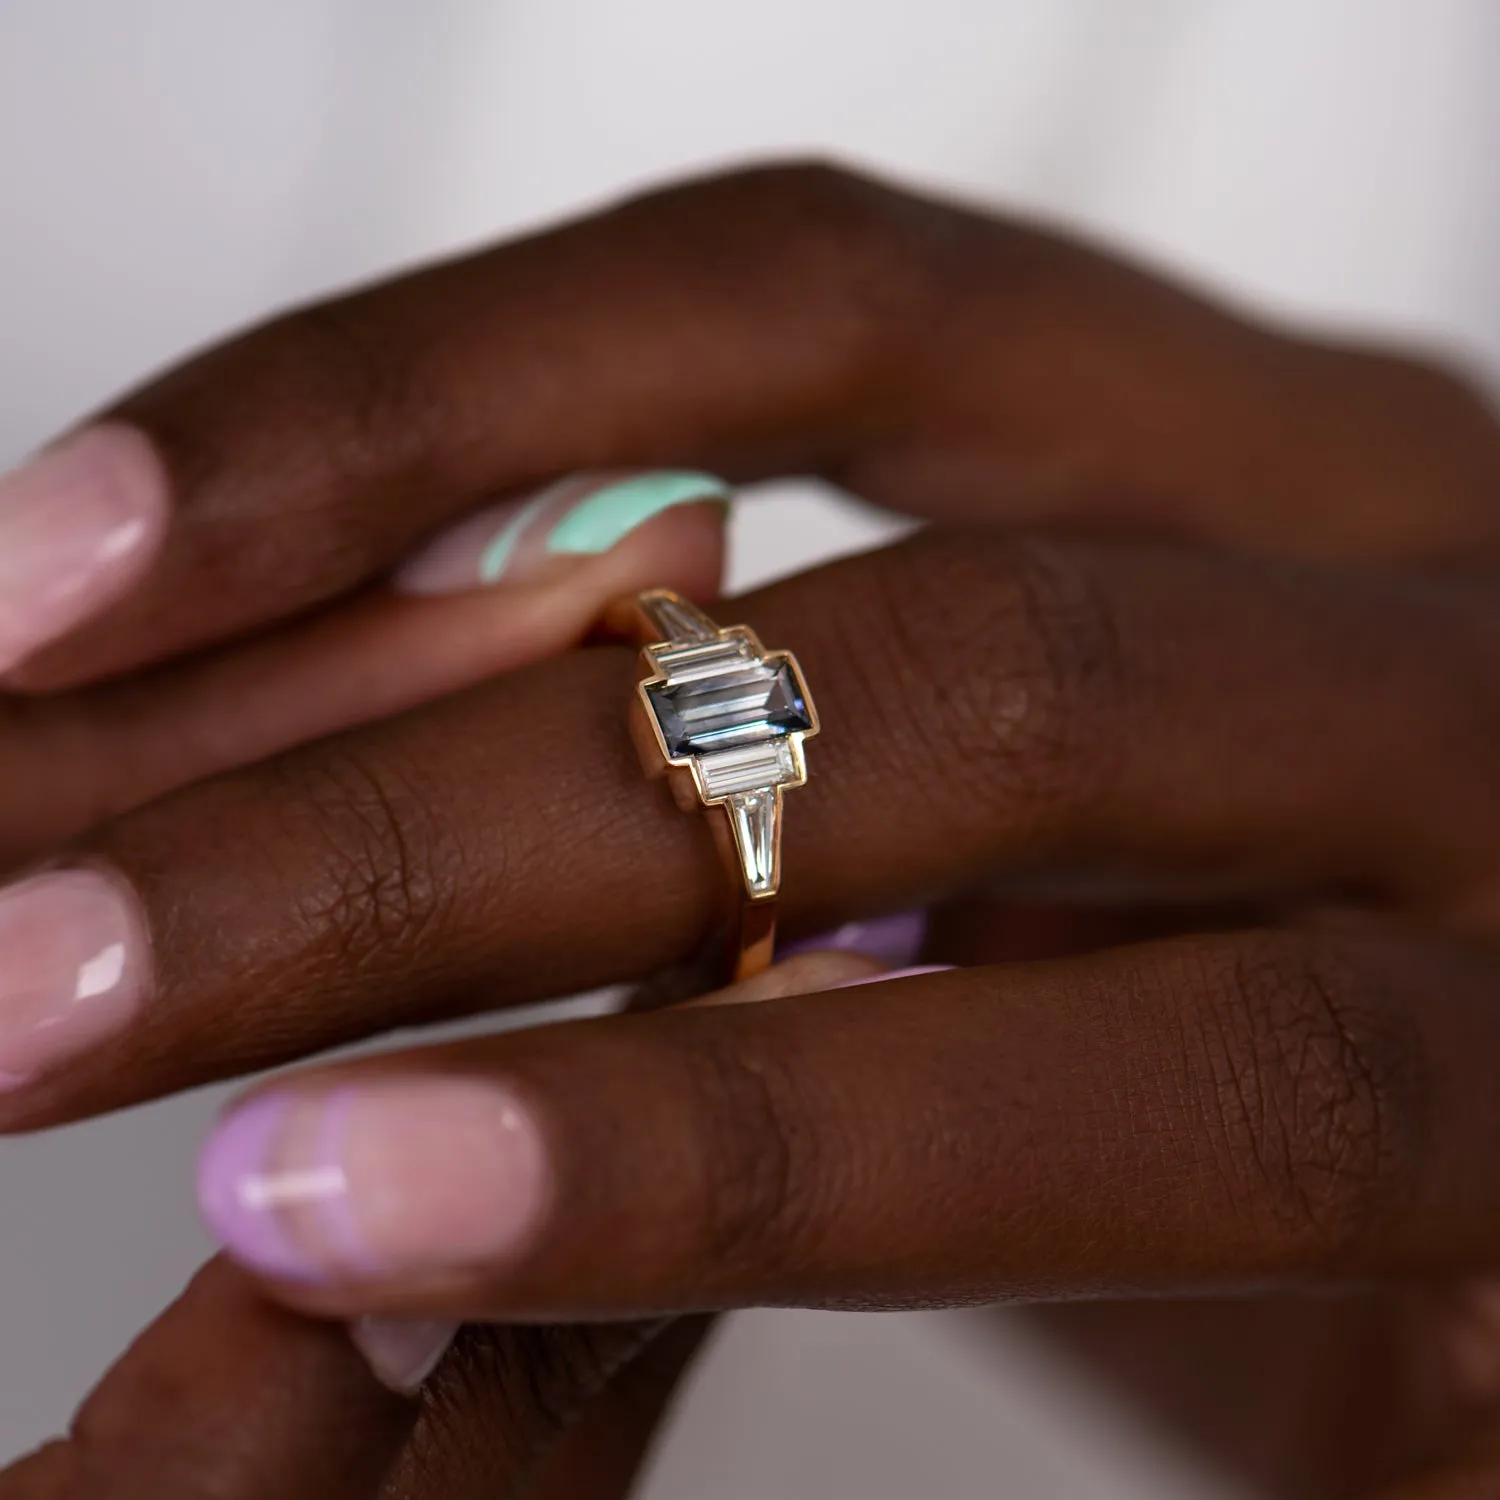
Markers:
607,516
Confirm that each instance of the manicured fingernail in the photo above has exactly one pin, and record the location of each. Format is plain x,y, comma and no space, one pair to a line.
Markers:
580,515
74,967
384,1178
910,973
892,940
79,524
402,1352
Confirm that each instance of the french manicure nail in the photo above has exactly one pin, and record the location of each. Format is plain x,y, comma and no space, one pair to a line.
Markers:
79,524
402,1352
387,1177
894,940
583,514
74,967
910,973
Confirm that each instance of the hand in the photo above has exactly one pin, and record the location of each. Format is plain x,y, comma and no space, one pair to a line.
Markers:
1258,666
230,1397
93,752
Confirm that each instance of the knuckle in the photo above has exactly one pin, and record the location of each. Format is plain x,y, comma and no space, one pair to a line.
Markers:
1012,675
1319,1083
375,892
757,1162
525,1385
336,370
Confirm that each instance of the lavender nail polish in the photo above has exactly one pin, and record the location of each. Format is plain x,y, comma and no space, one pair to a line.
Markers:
241,1204
373,1179
895,939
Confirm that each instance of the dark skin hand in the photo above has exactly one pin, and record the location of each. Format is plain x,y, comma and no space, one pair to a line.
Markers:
230,1397
1208,610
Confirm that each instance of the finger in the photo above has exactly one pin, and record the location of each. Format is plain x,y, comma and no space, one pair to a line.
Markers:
96,753
592,1399
600,1458
599,1453
782,320
1214,1112
226,1397
994,927
402,1352
1044,706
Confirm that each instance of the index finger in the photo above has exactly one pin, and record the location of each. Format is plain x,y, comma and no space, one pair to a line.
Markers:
787,320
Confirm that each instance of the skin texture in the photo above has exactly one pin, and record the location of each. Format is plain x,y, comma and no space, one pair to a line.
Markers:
96,752
1204,624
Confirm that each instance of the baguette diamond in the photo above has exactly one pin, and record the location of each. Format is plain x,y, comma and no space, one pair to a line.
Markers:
743,770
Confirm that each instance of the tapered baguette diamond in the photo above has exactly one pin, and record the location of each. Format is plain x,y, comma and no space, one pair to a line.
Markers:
753,818
676,619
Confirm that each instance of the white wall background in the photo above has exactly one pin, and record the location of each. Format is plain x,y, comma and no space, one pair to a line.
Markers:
169,169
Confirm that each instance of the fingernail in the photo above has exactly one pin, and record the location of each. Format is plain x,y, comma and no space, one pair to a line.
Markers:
74,967
580,515
376,1180
402,1352
893,940
79,524
910,973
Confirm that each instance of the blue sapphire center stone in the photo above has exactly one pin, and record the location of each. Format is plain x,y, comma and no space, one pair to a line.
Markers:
747,701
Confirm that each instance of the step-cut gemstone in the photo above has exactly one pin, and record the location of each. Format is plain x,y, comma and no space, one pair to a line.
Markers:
717,697
747,767
689,663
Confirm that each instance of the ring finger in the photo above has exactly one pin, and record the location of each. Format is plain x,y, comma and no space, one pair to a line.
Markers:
988,705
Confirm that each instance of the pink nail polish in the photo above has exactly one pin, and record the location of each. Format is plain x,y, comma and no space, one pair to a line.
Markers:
389,1176
911,973
470,555
402,1352
892,940
79,525
74,967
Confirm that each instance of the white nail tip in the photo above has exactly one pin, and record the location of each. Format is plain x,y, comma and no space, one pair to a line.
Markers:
402,1352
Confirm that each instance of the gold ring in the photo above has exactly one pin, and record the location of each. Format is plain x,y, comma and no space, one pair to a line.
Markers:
724,720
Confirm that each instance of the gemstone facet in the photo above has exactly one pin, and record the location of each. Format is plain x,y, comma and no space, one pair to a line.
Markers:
721,696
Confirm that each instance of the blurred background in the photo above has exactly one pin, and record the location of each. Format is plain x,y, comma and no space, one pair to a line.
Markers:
170,169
